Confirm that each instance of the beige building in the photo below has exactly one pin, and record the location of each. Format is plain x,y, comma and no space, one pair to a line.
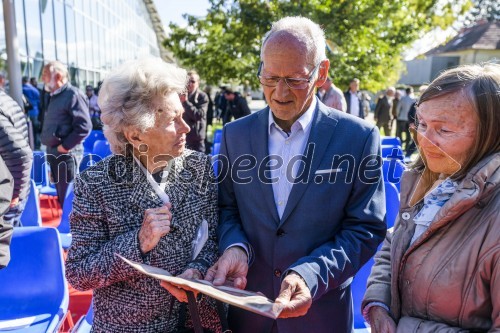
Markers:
480,43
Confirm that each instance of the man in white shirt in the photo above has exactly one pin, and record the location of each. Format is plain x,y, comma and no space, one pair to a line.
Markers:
295,223
354,100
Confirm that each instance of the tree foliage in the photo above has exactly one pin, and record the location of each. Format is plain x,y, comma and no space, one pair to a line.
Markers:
488,10
365,37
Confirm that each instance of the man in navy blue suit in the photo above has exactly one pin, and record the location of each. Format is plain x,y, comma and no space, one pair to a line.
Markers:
301,195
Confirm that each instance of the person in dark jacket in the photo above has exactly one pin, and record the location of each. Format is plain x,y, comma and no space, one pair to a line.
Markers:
16,152
66,124
195,113
237,106
33,96
6,190
383,111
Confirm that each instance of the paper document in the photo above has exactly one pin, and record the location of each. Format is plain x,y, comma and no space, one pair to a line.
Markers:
250,301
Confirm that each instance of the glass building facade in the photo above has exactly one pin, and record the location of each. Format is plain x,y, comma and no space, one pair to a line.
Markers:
90,36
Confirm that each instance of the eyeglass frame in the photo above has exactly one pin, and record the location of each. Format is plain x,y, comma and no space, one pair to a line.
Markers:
308,80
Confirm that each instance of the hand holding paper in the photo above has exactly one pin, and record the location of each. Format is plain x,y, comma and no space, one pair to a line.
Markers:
180,293
250,301
231,269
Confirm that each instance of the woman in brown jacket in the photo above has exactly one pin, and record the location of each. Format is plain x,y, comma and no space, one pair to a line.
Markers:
439,270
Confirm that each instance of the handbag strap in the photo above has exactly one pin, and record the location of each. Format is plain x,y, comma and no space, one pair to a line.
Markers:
193,311
193,308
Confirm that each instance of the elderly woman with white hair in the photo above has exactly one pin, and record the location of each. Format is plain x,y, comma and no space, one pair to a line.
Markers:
146,202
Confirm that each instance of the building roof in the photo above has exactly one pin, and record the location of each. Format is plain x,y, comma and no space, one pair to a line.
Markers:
158,28
483,36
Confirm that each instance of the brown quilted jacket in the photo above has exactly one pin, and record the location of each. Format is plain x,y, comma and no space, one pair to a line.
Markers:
448,280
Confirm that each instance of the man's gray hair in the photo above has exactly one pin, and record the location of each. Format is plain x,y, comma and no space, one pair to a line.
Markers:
127,94
305,31
58,67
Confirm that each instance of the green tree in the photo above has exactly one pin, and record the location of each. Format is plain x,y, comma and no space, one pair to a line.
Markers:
365,37
488,10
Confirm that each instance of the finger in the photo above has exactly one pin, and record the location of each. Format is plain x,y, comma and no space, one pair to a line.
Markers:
191,274
298,306
221,273
210,276
240,282
178,293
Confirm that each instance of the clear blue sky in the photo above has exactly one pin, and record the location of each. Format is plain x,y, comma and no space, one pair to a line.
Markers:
172,10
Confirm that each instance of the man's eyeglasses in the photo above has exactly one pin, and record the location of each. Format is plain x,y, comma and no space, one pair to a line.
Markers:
191,81
291,82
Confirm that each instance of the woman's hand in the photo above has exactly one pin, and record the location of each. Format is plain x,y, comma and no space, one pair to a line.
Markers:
380,321
179,292
155,225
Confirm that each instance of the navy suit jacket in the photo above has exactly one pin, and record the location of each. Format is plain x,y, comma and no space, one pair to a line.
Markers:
329,229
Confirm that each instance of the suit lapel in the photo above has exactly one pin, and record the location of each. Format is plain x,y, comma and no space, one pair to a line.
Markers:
322,130
260,149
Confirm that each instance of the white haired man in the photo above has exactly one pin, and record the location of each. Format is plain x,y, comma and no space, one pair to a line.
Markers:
66,123
288,229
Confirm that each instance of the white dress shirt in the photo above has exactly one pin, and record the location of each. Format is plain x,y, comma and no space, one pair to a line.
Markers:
286,146
354,104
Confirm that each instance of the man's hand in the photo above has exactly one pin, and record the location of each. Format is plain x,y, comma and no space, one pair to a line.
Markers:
295,296
380,321
155,225
179,292
231,269
62,150
183,97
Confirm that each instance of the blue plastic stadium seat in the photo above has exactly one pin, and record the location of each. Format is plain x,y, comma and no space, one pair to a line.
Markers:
393,170
391,203
88,160
37,168
101,148
217,136
63,227
48,189
392,152
31,215
88,143
390,141
34,296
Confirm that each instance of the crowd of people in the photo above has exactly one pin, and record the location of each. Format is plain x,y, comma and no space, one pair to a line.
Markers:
298,204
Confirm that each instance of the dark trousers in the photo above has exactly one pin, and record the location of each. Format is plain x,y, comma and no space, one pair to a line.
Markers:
36,131
403,126
385,126
63,168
